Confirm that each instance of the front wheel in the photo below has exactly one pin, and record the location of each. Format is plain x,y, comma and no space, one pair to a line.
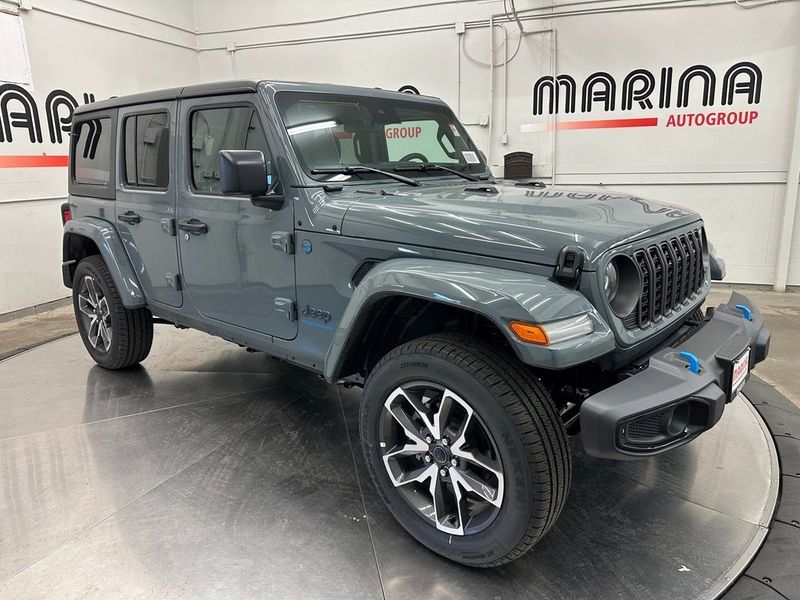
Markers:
466,448
115,337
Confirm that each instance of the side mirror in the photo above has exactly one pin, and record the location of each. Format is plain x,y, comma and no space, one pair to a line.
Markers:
244,172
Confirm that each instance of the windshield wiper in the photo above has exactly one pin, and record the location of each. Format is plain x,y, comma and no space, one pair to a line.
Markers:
422,167
348,169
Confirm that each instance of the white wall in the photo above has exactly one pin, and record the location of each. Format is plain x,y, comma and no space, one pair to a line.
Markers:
108,55
734,175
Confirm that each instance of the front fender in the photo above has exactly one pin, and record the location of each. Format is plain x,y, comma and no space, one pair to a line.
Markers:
500,295
113,252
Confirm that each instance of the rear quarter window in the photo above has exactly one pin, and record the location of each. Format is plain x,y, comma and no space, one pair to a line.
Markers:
92,152
91,157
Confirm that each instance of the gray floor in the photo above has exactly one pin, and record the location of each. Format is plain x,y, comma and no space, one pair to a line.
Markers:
211,472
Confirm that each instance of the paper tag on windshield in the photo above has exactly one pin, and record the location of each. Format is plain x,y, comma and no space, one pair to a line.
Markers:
471,157
454,129
339,177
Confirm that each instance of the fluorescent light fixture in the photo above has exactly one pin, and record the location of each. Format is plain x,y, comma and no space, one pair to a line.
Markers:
311,127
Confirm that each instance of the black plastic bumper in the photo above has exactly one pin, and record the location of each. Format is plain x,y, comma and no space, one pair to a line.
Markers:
668,404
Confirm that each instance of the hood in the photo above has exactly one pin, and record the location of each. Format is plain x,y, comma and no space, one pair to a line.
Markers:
516,223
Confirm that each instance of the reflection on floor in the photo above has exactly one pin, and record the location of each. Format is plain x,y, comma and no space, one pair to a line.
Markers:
210,472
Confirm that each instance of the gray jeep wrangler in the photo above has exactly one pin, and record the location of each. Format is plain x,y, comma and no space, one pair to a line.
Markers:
358,233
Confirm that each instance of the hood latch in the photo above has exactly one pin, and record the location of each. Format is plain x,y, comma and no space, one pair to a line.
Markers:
570,261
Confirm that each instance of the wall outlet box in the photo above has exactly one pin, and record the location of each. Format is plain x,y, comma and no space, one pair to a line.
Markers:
461,27
504,139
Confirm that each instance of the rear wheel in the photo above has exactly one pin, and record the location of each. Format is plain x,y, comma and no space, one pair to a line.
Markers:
466,448
115,337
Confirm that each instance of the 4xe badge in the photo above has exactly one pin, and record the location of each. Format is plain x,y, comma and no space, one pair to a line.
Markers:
319,314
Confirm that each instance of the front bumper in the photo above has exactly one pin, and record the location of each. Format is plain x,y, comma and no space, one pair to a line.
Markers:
667,404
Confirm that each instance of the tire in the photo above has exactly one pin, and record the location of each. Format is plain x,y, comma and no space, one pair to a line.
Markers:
114,336
514,431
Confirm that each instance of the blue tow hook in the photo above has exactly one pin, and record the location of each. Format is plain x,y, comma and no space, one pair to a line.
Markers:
745,310
694,362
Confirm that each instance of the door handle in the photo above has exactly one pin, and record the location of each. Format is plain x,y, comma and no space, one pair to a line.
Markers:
130,217
193,226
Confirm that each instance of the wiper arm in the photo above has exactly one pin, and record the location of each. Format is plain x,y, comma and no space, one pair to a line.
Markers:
432,167
348,169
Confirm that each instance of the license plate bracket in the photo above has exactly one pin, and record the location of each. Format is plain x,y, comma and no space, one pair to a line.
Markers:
739,371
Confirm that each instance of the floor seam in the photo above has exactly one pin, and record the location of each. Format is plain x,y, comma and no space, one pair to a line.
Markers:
143,494
361,493
795,412
766,585
137,414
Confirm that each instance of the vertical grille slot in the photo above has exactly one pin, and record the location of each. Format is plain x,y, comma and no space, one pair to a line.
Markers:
672,272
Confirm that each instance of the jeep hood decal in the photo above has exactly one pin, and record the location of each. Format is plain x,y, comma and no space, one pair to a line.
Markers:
517,223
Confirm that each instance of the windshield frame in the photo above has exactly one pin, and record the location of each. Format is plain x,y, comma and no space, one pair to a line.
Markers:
284,99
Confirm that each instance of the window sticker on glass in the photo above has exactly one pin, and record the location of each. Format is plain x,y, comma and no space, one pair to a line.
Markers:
454,129
471,157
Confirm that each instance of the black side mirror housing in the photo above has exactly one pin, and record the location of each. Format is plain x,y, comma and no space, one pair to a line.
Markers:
244,172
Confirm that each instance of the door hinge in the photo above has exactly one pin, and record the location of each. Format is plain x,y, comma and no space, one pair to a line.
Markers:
174,281
168,226
284,241
287,308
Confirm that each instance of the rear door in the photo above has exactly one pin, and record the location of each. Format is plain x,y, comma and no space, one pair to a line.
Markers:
146,197
231,268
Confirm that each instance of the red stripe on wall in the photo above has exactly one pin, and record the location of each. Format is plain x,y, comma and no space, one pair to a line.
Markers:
597,124
38,160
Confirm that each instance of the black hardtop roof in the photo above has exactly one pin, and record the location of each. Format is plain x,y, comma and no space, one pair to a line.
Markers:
239,86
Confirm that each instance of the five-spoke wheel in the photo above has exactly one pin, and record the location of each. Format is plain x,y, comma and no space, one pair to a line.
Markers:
441,457
94,312
115,336
466,448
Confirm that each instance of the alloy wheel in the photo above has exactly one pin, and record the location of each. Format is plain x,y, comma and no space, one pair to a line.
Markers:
441,457
95,314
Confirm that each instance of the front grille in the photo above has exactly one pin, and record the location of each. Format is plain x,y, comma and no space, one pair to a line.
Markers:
672,272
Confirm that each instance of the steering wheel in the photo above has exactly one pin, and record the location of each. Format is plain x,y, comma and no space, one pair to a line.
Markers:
414,156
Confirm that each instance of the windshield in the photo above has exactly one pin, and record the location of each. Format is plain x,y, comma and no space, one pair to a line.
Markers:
331,131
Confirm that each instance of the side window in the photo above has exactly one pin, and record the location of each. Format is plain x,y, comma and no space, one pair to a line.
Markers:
91,152
147,150
215,129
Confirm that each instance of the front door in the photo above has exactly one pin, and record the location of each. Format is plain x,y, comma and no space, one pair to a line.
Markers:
229,265
146,193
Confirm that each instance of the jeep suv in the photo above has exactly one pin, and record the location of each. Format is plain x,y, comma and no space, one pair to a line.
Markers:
359,233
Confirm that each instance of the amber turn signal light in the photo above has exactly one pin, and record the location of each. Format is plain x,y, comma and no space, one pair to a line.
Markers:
527,332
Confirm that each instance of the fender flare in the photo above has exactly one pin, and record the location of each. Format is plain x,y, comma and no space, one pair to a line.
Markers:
501,295
108,241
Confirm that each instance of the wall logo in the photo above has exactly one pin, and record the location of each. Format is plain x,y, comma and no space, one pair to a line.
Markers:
642,89
20,120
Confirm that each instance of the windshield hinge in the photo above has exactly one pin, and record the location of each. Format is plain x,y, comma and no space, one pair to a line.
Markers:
284,241
570,261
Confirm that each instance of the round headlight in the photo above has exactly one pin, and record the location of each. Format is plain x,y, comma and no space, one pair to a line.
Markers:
622,285
611,281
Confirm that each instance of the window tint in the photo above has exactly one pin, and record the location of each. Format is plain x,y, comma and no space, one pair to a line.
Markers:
92,152
147,150
215,129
